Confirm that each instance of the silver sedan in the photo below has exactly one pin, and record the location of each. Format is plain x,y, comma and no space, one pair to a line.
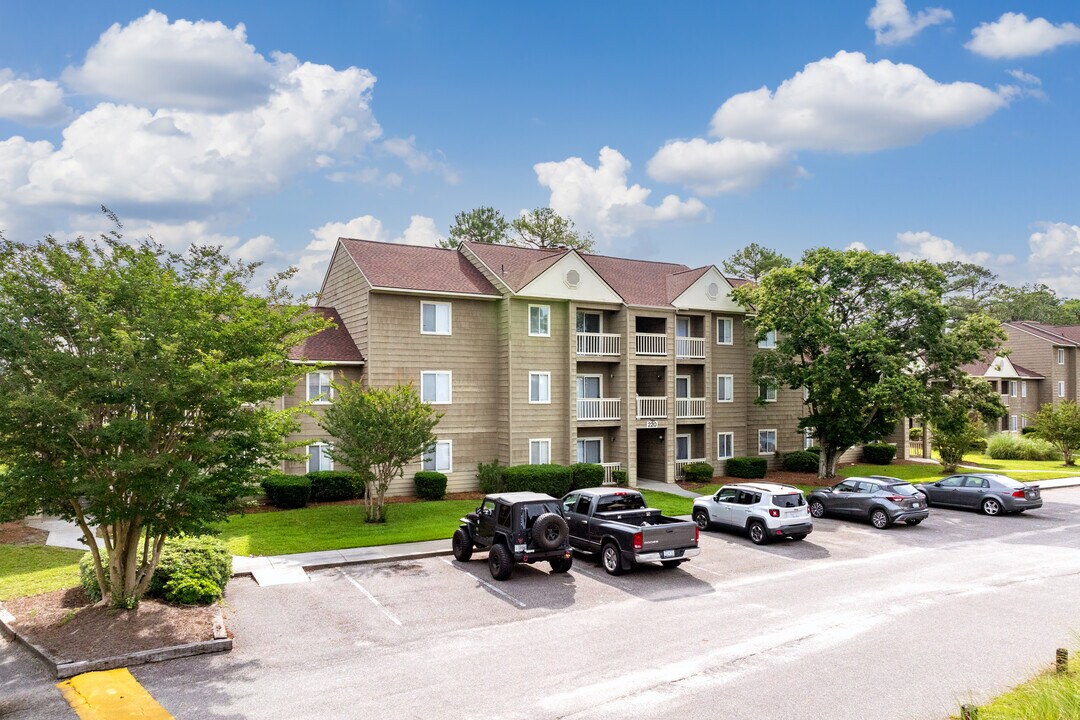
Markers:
993,494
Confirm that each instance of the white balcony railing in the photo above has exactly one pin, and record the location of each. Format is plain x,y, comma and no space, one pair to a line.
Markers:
651,408
689,347
609,469
679,464
689,407
597,344
650,344
598,408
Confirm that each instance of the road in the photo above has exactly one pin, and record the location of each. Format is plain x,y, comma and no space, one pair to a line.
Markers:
850,623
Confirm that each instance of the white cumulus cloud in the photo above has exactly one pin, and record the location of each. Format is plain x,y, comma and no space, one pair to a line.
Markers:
1054,256
848,104
927,246
31,102
1013,35
893,23
1024,77
599,198
711,168
417,160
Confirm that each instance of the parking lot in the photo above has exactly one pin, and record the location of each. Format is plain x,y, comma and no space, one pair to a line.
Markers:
852,622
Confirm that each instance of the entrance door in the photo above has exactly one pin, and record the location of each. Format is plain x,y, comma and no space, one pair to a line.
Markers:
682,386
588,386
590,450
682,327
682,447
588,322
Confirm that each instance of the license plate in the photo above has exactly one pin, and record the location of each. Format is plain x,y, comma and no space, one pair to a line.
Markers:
667,553
916,504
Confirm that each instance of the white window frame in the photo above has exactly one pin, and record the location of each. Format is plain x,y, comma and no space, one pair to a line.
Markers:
1004,387
770,389
586,440
730,386
1023,388
759,437
720,320
540,373
449,387
600,383
547,316
1061,388
1012,388
540,443
449,318
731,445
433,454
325,398
597,313
689,446
1061,356
323,457
689,387
769,341
1014,423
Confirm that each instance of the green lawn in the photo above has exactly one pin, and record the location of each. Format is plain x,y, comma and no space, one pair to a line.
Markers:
1056,466
35,569
1047,697
922,472
667,503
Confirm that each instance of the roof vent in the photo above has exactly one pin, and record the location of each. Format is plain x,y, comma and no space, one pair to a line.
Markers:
572,278
712,291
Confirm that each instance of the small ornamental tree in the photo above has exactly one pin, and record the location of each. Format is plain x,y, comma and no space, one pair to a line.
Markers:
956,418
134,389
378,431
1060,426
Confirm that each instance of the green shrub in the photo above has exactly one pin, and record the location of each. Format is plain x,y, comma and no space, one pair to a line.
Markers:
189,589
915,434
978,444
287,491
1004,446
489,476
697,472
621,477
746,467
1028,430
800,461
813,449
586,475
334,485
87,576
430,485
554,480
878,453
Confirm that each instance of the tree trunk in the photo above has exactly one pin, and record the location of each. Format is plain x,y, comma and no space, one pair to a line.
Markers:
827,462
124,565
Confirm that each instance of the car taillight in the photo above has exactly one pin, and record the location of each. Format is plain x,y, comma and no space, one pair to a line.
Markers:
1018,493
697,533
896,498
639,542
774,512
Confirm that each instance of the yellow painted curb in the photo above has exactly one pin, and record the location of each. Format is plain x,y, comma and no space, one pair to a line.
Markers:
110,695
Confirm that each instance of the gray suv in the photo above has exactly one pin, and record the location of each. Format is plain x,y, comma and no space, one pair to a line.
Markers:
881,500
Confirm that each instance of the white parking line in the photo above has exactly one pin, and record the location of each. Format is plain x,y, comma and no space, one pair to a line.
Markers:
371,597
488,585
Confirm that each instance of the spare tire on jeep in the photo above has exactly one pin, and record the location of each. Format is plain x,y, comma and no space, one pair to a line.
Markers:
549,531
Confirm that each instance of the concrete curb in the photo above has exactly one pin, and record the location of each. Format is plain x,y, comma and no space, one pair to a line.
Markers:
64,669
359,561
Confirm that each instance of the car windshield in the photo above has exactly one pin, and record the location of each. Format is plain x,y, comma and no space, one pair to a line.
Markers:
904,489
535,510
788,501
620,501
1006,481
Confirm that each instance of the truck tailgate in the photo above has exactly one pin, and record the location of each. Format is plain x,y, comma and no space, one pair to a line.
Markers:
668,537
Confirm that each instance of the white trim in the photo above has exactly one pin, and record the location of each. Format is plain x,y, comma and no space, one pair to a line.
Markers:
435,455
598,313
769,342
540,440
540,334
732,444
540,372
449,386
319,444
731,387
449,317
768,387
1061,389
689,446
1014,423
329,399
590,438
587,375
1061,356
1012,388
689,387
1023,388
775,439
731,328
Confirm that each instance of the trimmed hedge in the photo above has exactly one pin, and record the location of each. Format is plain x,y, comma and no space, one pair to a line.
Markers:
334,485
586,475
555,480
813,449
621,477
1028,430
192,570
697,472
800,461
489,476
430,485
746,467
287,491
878,453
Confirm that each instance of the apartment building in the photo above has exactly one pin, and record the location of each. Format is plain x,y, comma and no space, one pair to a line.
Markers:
1050,351
538,356
1019,389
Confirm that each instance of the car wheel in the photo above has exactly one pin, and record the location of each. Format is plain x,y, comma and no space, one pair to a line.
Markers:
611,559
799,536
758,534
701,517
913,522
463,546
880,519
817,508
561,565
500,563
990,506
549,531
671,563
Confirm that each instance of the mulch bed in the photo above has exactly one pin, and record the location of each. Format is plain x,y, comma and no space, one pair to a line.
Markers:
16,533
71,628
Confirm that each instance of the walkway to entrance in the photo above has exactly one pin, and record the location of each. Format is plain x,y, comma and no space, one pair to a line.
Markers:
665,487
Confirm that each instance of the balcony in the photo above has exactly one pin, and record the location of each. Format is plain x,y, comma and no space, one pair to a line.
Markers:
598,408
679,464
609,469
689,408
650,343
651,408
690,347
603,344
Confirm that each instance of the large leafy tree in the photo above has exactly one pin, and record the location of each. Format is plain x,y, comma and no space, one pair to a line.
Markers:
865,335
481,225
956,417
1060,425
545,228
754,261
377,432
133,389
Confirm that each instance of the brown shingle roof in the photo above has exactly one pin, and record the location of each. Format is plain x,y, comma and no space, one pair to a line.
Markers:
1050,333
334,344
678,282
980,367
515,266
638,282
413,267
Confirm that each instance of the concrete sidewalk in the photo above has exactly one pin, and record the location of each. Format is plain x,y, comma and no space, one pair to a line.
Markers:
285,569
670,488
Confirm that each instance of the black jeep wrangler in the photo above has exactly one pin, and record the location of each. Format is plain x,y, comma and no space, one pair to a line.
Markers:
516,527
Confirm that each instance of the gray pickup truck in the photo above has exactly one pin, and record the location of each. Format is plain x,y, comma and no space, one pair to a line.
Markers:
617,523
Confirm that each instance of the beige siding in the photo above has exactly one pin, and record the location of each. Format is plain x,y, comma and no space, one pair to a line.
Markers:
347,291
539,421
310,431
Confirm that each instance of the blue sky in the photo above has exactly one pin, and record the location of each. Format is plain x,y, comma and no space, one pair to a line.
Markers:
943,130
